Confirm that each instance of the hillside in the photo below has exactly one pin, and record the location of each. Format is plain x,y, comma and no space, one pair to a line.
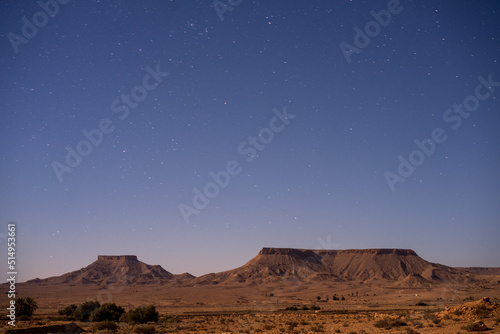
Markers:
123,269
394,267
274,264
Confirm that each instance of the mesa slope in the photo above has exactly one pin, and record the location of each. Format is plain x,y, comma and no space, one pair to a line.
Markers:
273,264
108,269
370,277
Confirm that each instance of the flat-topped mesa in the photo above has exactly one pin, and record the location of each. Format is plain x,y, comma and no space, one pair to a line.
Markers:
376,251
117,257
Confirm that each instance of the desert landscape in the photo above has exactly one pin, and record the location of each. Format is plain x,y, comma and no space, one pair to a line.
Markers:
281,290
237,166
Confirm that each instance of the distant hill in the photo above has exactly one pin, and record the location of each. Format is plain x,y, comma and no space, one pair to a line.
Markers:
393,267
124,269
403,265
482,270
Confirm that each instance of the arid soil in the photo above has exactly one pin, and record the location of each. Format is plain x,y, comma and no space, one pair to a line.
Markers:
410,320
284,291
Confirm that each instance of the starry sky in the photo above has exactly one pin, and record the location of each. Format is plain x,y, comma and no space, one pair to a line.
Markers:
193,133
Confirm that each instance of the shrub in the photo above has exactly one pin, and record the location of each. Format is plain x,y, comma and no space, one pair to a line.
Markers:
173,320
25,306
84,310
317,328
144,329
314,308
291,325
141,315
68,311
108,311
420,304
389,323
105,325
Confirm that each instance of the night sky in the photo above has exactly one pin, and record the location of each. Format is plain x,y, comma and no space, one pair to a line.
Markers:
193,133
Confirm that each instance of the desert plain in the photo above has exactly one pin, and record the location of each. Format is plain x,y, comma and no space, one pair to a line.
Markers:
282,291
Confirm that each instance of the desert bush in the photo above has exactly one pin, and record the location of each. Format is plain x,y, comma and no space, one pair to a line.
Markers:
389,323
317,328
108,311
68,311
84,310
314,307
105,325
25,306
268,327
432,317
141,315
421,304
144,329
291,325
175,320
291,308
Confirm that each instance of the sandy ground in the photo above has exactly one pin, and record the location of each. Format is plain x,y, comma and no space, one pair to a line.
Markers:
397,321
254,309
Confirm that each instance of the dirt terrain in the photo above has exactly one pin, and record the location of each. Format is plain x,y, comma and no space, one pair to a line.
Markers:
285,291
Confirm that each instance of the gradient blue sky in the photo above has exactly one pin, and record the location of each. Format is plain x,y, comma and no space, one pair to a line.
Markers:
318,184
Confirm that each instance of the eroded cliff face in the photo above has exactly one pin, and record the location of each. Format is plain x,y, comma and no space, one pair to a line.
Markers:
391,265
117,257
307,252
